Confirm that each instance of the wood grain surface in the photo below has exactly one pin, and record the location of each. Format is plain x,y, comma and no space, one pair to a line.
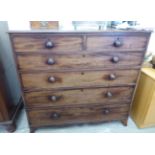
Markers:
79,96
79,61
39,81
128,43
37,42
81,114
83,77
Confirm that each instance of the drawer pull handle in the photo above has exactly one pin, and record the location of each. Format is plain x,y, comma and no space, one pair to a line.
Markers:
49,44
109,94
106,111
112,76
115,59
51,79
118,43
54,98
50,61
55,115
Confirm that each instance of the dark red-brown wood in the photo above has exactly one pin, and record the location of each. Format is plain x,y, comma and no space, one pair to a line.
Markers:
78,77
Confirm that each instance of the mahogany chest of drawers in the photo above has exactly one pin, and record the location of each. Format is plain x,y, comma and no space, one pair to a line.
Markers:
78,77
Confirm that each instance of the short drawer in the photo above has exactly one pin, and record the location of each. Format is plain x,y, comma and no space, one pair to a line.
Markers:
72,115
47,43
80,60
80,96
52,80
124,43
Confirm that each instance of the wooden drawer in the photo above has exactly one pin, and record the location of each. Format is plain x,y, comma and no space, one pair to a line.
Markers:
70,115
47,43
78,61
51,80
125,43
86,96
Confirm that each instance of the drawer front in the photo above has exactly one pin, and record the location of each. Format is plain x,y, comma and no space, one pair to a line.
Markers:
47,43
80,96
70,115
53,80
124,43
77,61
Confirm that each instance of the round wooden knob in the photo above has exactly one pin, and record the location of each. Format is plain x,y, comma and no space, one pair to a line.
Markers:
49,44
106,111
109,94
117,43
55,115
112,76
51,79
115,59
50,61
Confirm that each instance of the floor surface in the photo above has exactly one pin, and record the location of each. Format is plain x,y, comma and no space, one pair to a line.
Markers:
109,127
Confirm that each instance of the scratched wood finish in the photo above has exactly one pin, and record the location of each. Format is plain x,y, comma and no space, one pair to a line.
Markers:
86,96
79,61
35,81
129,43
35,43
81,114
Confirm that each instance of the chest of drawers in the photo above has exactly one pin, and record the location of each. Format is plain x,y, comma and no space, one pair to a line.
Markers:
78,77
